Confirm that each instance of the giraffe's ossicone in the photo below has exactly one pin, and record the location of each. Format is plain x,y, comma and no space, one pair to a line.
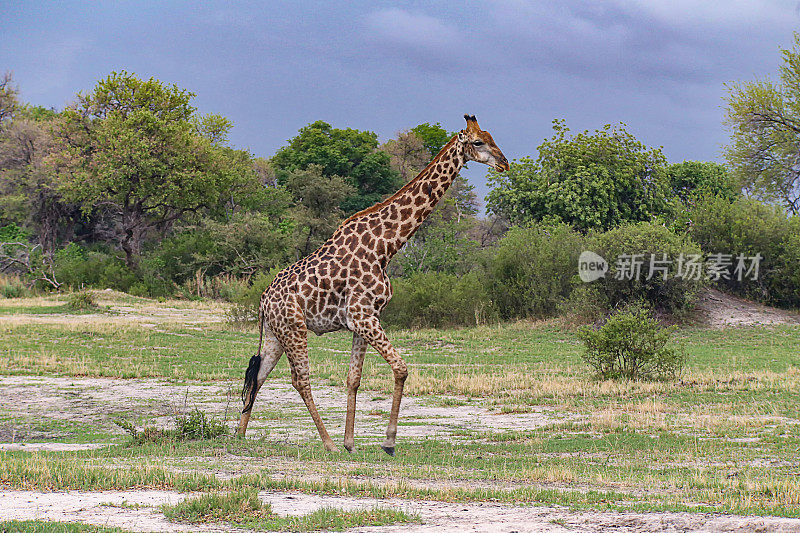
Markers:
343,285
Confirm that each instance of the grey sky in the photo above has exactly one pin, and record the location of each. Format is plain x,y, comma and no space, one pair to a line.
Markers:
272,67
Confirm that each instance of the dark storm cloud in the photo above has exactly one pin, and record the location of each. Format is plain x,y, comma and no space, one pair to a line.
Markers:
660,66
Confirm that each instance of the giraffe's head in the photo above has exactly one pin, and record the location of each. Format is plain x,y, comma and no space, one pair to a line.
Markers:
479,146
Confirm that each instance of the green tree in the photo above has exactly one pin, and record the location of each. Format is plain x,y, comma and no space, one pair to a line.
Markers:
348,153
691,179
317,211
591,181
134,153
28,192
764,118
433,136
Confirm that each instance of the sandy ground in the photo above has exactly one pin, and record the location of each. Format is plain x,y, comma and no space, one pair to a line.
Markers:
139,511
72,403
720,310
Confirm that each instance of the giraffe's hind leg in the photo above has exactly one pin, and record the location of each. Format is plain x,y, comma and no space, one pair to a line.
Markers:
294,339
353,381
271,351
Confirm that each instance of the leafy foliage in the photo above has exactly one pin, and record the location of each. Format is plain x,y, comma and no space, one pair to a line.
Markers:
533,269
317,211
131,154
429,300
748,227
591,181
631,345
350,154
407,154
670,293
764,118
443,244
433,136
693,179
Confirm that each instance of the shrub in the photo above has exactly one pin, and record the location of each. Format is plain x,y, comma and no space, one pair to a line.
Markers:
77,267
645,239
82,301
533,269
193,426
245,305
196,425
434,299
13,287
631,344
585,304
749,227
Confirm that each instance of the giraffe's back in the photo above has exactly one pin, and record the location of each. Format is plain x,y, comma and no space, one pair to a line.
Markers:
325,288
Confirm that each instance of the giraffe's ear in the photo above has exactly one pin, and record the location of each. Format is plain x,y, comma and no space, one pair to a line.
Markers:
462,136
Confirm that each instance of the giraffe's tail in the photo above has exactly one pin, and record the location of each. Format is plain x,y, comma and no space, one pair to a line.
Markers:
251,374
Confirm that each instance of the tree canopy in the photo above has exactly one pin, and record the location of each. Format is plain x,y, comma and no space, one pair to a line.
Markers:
590,180
691,179
764,118
349,153
433,136
134,153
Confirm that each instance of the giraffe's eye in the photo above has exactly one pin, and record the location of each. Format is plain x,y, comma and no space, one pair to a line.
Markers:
477,143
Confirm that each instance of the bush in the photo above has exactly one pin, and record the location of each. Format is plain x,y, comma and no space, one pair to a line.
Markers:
244,311
77,267
433,299
196,425
193,426
749,227
632,345
82,301
13,287
533,269
673,294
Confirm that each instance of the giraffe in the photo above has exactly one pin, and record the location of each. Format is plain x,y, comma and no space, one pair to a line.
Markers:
343,285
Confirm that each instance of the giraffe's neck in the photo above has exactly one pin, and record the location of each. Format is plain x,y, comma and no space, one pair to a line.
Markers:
405,211
386,226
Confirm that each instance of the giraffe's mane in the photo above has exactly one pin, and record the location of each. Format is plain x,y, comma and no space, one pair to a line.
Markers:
405,187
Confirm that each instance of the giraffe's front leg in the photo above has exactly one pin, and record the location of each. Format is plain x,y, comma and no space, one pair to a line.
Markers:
369,328
353,381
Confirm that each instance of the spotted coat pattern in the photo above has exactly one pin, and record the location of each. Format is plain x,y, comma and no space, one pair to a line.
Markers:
343,285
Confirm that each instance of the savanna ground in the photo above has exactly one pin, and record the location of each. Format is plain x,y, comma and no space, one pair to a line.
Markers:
502,428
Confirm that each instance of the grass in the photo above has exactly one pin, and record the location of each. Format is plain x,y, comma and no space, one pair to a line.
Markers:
243,508
45,526
722,438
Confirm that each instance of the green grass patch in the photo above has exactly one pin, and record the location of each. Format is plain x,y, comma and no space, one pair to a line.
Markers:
45,526
243,508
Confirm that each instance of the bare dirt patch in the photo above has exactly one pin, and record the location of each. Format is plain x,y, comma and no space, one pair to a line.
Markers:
122,308
720,310
57,408
139,511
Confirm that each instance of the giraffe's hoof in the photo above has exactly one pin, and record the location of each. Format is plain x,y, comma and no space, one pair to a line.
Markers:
349,448
388,449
